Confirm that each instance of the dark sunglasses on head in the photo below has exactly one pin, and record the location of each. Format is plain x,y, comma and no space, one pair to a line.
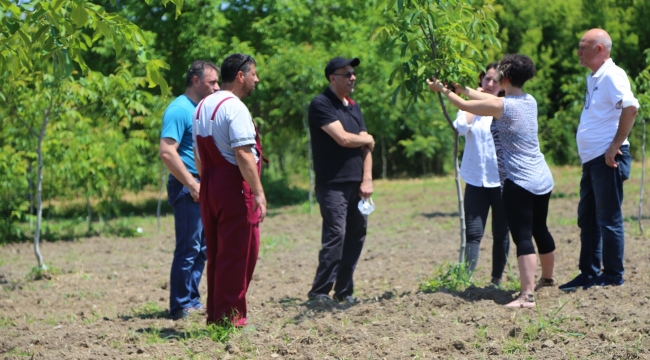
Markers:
348,74
248,58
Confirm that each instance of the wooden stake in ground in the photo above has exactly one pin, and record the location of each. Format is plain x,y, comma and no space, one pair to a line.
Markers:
640,214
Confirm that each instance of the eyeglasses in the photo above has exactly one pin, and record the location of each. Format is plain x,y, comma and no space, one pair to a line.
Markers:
348,74
248,59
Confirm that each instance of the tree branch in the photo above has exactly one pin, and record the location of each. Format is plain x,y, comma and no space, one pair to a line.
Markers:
432,43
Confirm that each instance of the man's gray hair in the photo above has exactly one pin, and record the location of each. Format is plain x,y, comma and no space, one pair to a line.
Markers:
605,41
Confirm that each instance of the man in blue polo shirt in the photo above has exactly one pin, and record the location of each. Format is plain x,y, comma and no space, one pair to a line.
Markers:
343,164
183,187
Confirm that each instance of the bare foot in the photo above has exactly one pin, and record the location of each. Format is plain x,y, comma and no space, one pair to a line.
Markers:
523,301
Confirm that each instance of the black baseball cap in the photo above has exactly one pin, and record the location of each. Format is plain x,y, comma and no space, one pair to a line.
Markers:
337,63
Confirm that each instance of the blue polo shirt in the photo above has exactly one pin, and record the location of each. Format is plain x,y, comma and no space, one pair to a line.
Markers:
177,125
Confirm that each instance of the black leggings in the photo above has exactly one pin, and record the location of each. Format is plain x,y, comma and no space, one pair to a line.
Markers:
526,214
478,201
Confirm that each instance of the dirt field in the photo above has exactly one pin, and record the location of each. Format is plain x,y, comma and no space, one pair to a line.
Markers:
111,297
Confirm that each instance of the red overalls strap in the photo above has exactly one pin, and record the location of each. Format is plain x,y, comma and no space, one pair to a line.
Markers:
198,112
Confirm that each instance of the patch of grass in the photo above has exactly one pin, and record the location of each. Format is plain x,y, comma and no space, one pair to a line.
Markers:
18,353
214,332
29,319
46,272
511,280
549,324
124,227
481,336
544,326
79,295
150,310
513,347
453,277
6,321
272,243
51,320
152,336
94,316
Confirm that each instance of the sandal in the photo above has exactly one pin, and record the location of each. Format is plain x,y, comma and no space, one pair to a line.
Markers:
544,282
523,301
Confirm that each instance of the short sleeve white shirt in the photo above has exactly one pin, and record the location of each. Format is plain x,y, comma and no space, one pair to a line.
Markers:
608,92
232,125
479,166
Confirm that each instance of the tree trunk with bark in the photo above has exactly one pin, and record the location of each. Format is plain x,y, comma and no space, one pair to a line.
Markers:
310,156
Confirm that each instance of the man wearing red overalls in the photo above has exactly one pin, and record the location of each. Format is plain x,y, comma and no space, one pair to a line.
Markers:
232,199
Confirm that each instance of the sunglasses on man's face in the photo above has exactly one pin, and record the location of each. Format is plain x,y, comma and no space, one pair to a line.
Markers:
248,58
348,74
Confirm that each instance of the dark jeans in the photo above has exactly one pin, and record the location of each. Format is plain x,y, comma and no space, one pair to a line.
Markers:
343,235
600,216
478,201
527,219
189,254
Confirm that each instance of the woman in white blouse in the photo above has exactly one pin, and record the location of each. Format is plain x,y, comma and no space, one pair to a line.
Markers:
480,172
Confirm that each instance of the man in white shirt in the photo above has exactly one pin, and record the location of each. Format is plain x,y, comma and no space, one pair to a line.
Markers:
606,121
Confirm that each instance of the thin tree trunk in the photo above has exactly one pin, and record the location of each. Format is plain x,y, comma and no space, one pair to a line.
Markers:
384,161
461,205
305,124
160,193
89,218
640,216
427,31
459,190
39,190
30,184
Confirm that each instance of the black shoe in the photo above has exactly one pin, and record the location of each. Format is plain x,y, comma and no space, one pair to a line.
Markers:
321,298
346,300
601,280
179,314
573,285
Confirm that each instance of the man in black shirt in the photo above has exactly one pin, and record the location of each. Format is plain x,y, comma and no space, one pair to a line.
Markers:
343,164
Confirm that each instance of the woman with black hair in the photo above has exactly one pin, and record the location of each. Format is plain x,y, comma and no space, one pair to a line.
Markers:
526,180
480,172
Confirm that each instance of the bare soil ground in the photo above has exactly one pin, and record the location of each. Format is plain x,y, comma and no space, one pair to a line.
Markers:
110,297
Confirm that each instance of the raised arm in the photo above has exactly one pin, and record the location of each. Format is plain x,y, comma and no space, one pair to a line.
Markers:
488,107
473,94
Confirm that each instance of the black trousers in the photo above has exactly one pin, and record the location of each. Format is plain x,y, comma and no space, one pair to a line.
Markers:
527,219
343,235
478,201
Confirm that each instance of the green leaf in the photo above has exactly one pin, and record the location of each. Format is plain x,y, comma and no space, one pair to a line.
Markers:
39,33
79,15
57,5
153,75
104,29
25,38
10,6
395,94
